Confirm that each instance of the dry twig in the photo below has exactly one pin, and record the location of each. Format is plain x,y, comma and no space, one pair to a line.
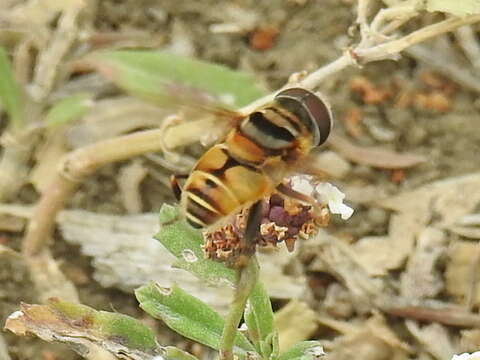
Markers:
373,156
436,61
446,315
362,54
469,43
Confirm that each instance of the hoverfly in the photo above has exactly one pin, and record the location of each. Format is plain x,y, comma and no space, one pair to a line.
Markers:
256,155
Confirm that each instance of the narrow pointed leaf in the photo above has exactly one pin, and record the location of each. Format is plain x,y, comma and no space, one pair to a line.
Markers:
162,77
187,315
173,353
85,329
259,317
10,95
275,346
306,350
110,324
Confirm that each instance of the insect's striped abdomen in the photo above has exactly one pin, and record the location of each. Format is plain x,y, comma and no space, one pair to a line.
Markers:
219,185
270,130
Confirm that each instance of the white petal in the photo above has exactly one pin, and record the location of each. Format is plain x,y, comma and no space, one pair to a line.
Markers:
333,197
344,210
467,356
328,192
302,184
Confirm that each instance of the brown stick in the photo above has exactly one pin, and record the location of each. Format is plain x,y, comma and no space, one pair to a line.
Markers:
452,317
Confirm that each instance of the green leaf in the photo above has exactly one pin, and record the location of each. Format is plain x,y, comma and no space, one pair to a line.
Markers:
108,325
458,8
76,323
185,243
305,350
270,346
187,315
259,317
10,95
173,353
275,346
161,76
68,109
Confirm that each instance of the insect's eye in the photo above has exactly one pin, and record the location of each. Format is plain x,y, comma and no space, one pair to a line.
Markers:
310,110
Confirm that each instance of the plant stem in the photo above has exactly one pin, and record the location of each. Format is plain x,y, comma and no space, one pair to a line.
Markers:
246,279
389,48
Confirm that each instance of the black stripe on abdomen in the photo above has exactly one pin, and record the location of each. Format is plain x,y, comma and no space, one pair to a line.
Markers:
268,128
287,116
201,215
230,163
265,133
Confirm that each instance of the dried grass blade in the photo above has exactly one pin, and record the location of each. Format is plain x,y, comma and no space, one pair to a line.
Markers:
375,157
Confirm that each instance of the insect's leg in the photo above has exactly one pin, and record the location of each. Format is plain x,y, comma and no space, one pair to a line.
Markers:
293,194
252,228
170,155
175,185
250,236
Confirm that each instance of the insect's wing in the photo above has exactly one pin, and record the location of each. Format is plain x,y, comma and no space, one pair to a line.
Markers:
176,82
177,96
192,104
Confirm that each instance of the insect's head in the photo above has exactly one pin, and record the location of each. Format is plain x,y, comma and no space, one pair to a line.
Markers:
312,111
